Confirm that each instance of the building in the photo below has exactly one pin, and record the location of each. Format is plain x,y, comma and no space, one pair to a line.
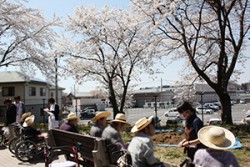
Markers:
33,92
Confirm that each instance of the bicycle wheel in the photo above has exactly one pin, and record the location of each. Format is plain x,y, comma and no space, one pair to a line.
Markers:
13,143
26,151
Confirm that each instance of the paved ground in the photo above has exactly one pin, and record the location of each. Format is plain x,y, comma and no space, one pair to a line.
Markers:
8,160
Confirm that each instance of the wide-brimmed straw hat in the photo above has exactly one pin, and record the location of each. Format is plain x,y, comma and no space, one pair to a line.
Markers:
120,118
100,115
216,137
141,124
25,115
29,121
71,116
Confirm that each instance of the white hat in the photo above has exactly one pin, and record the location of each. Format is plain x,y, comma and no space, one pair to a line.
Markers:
216,137
120,118
141,124
29,121
71,116
99,115
25,115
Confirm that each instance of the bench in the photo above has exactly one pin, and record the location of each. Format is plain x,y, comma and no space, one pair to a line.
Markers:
93,150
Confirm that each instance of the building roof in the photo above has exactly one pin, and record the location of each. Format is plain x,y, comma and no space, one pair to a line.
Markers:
14,76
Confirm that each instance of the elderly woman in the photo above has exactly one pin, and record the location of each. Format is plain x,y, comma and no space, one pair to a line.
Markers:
141,146
100,121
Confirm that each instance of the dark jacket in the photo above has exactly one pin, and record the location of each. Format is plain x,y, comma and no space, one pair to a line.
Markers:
10,115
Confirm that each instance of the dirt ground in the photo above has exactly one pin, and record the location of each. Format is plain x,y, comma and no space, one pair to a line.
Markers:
168,138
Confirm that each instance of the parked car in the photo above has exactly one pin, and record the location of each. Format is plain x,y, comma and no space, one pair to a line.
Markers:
88,113
214,121
172,112
205,110
212,106
242,101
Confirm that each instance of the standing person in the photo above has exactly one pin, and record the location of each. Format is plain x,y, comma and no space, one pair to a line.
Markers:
20,108
52,123
10,117
218,140
71,123
54,108
112,132
100,121
141,147
192,125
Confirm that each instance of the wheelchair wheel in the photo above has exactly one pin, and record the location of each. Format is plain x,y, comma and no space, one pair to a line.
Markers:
13,143
26,151
1,138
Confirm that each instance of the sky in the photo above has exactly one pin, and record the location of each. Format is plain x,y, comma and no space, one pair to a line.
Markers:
63,8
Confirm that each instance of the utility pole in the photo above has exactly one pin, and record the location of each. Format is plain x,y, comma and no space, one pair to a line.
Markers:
56,81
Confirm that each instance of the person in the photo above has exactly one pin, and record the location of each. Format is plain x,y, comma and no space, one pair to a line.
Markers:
52,123
218,140
100,121
10,118
20,108
112,132
141,147
54,108
29,129
246,121
192,125
71,123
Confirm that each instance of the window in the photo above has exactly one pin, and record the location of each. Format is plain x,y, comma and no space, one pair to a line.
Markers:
51,94
8,91
42,92
32,91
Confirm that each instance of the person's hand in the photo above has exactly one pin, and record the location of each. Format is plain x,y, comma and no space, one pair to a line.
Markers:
185,144
46,109
181,143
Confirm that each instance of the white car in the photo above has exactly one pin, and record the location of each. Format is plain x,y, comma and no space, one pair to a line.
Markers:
172,112
205,110
214,121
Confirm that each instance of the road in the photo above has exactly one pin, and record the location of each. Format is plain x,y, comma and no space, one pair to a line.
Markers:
133,114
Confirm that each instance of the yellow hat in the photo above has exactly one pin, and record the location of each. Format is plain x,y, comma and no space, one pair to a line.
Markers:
29,121
120,118
99,115
71,116
141,124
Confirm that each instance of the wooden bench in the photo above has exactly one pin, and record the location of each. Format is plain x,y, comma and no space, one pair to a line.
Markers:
94,151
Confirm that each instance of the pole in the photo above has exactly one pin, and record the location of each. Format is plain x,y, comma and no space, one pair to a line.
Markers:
155,106
43,113
202,115
56,82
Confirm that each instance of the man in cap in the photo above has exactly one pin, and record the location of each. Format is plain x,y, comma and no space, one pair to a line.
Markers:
112,132
100,121
10,117
71,123
141,147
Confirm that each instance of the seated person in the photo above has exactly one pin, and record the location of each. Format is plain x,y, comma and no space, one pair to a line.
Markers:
218,140
24,116
141,147
100,121
71,123
29,129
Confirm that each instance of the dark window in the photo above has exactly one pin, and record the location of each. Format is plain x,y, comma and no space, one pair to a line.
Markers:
8,91
32,91
42,92
51,94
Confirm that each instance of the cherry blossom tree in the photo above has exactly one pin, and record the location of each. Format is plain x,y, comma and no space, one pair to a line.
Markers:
110,46
209,34
26,37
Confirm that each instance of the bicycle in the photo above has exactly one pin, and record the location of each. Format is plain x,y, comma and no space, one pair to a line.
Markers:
3,138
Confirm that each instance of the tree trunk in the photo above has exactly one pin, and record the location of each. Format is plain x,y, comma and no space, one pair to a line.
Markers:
226,114
113,100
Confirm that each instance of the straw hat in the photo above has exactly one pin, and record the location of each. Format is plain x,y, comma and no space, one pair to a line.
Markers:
216,137
120,118
29,121
25,115
99,115
71,116
141,124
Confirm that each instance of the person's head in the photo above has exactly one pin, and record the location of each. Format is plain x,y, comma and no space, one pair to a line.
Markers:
51,100
216,137
120,122
185,109
7,102
17,99
101,118
72,119
29,121
145,125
